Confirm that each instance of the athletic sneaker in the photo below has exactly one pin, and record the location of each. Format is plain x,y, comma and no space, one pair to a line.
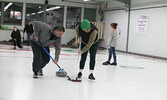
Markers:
106,63
91,77
35,75
114,63
79,75
40,73
21,47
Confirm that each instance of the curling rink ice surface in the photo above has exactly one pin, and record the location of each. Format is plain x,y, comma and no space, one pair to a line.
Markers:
134,78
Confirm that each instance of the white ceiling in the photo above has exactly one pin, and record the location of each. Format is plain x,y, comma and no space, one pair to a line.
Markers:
117,4
132,1
91,1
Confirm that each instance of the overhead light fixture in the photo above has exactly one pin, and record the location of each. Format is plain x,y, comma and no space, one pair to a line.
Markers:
40,12
28,14
88,0
7,6
33,13
53,8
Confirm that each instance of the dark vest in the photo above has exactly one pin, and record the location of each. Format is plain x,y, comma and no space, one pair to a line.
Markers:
85,36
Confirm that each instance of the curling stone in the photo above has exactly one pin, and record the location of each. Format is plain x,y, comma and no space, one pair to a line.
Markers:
61,73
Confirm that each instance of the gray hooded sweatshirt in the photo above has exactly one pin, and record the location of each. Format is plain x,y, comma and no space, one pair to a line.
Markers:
45,33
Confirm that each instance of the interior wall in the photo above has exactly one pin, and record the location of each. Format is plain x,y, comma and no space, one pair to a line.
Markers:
120,17
154,41
5,35
68,35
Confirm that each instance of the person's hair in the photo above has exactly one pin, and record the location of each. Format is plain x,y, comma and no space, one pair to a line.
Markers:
114,25
59,28
29,20
14,28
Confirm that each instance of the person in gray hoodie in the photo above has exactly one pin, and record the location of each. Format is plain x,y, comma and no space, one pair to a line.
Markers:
44,36
112,44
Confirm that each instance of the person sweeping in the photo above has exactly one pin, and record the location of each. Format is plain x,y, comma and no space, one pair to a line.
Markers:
44,36
88,36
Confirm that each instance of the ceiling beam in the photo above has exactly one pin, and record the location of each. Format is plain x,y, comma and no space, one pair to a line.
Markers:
80,2
124,1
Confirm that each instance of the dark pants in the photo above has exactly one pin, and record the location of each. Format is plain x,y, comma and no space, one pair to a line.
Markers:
28,38
17,43
40,57
92,50
112,51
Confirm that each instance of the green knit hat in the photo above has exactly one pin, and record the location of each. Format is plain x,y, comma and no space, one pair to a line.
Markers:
85,24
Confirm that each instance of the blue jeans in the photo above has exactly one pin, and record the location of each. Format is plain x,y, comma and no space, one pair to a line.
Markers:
112,51
28,38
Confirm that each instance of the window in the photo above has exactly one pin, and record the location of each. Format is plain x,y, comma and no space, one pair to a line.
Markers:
73,16
54,15
90,14
34,12
13,13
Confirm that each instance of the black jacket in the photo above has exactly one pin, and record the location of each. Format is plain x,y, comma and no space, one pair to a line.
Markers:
16,35
85,36
28,28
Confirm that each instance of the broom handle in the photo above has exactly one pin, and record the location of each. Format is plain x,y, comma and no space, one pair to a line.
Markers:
56,64
50,56
53,60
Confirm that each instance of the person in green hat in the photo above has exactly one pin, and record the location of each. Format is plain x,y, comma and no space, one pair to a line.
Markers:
88,36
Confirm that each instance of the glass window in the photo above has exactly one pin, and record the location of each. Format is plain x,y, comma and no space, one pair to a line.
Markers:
73,16
90,14
13,13
54,15
34,12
